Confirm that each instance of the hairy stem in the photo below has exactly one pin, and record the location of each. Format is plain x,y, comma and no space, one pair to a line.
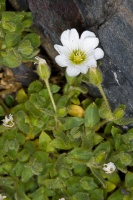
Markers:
4,106
105,99
50,94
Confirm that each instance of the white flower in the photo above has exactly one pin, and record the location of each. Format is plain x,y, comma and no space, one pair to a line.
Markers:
109,168
2,197
8,121
62,199
78,54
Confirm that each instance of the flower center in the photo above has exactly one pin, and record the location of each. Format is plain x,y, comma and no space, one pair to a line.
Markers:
77,56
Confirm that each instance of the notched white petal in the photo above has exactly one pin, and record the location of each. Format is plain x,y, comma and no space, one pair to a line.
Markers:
74,36
98,53
84,68
92,62
61,60
61,49
90,43
72,71
65,37
87,34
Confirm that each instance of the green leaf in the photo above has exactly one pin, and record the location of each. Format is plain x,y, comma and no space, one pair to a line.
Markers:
12,58
100,157
21,96
121,166
80,154
116,133
116,195
91,116
24,155
119,112
104,146
6,181
9,100
87,139
104,112
35,87
44,142
25,47
129,180
12,16
26,23
72,122
12,39
98,175
97,139
88,184
108,128
80,169
123,121
19,167
97,194
54,88
21,193
73,185
34,39
125,158
21,121
36,112
27,174
110,186
40,194
9,26
61,144
81,196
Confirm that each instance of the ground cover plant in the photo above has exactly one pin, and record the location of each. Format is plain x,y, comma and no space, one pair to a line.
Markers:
56,142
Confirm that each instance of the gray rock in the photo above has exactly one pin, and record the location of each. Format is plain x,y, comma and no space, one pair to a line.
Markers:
111,20
116,36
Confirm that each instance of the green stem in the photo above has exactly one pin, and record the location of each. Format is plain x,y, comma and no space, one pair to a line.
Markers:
98,126
50,94
4,106
105,99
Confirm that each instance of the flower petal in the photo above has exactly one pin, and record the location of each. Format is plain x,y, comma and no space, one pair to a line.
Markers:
92,62
74,39
98,53
84,69
90,44
87,34
61,60
61,49
74,36
65,38
72,71
70,39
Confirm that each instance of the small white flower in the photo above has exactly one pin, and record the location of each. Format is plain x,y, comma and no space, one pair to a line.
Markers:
109,168
62,199
2,197
78,54
8,121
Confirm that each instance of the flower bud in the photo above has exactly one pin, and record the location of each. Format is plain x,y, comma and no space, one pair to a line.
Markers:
76,111
95,76
43,69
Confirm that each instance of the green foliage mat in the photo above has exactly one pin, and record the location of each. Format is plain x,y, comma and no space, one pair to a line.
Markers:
48,155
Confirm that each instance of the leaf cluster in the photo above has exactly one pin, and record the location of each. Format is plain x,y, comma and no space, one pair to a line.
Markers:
49,155
18,42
